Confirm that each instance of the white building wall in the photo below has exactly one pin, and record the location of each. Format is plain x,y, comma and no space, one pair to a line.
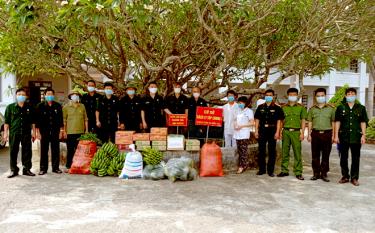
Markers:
8,85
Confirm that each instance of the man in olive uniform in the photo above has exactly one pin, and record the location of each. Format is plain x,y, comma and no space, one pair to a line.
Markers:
196,131
153,107
90,101
321,119
130,110
107,114
268,117
176,103
19,121
293,134
50,126
350,132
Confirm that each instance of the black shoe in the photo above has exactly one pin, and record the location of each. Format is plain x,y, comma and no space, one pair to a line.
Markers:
343,180
58,171
314,178
259,173
42,173
12,174
282,174
271,175
325,179
300,177
28,173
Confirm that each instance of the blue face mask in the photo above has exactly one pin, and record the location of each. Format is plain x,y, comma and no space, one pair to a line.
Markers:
49,98
108,92
21,98
241,105
268,99
231,98
91,89
130,92
321,99
350,99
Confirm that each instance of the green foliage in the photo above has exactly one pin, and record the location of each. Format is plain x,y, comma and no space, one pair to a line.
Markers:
370,131
339,95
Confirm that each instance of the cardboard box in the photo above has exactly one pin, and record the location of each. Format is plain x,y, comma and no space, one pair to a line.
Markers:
192,142
160,148
161,131
141,137
140,148
176,142
123,147
158,137
192,148
124,137
142,143
159,143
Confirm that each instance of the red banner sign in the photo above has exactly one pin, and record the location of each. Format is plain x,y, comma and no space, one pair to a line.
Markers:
177,120
209,116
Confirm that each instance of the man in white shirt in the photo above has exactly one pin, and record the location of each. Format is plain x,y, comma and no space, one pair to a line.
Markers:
229,110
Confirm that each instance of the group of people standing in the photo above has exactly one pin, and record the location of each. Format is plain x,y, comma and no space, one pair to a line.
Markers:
326,124
102,114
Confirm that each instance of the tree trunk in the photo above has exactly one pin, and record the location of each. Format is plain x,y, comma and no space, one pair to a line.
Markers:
370,100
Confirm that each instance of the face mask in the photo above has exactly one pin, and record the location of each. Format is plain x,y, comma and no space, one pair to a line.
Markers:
49,98
196,94
292,98
130,92
153,90
231,98
21,98
241,105
74,98
91,89
350,99
177,90
108,92
268,99
321,99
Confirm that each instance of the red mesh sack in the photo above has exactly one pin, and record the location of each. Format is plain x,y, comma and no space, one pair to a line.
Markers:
82,157
211,162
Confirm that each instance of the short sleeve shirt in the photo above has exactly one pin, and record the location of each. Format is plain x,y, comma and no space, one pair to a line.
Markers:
176,105
321,118
74,118
268,115
294,114
243,117
19,119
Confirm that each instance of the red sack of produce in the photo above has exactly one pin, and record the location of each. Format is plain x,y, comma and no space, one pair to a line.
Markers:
82,157
211,160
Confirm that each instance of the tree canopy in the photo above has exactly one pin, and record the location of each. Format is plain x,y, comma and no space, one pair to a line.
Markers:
206,42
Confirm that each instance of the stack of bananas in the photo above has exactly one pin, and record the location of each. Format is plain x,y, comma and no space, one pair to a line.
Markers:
116,165
152,156
103,158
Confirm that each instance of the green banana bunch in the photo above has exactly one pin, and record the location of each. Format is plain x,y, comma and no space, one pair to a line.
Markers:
116,165
151,156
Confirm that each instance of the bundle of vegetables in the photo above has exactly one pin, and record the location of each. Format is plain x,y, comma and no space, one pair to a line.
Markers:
102,159
152,156
154,172
90,137
116,165
180,169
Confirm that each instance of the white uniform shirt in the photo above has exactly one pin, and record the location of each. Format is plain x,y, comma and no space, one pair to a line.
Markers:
229,111
243,117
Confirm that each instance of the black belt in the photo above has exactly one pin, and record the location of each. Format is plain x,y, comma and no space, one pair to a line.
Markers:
322,131
269,125
292,129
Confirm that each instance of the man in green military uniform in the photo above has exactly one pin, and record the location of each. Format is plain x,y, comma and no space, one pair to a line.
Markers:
321,119
293,134
19,121
350,132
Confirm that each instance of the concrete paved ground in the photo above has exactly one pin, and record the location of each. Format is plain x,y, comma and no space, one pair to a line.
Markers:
234,203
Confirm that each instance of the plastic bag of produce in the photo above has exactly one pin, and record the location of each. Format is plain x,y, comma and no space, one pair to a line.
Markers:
180,169
82,157
154,172
211,163
133,165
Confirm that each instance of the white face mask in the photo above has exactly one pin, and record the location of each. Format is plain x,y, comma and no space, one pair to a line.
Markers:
292,98
177,90
74,98
153,90
196,94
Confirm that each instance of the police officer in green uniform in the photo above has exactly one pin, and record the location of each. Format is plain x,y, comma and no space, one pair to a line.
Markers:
19,121
90,100
107,113
321,117
350,132
268,117
293,134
